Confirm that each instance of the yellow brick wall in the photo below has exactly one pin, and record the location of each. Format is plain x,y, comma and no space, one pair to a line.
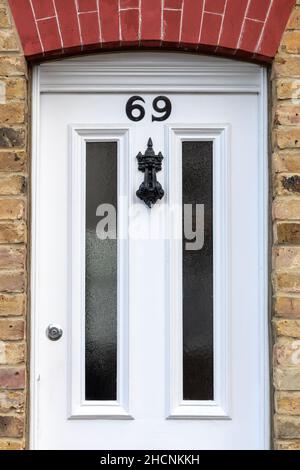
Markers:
13,234
285,167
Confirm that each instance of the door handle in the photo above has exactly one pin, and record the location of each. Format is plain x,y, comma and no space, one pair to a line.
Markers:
54,332
150,190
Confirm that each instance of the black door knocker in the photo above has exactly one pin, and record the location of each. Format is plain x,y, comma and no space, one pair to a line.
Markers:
150,190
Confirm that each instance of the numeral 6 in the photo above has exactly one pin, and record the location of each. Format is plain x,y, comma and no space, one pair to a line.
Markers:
130,107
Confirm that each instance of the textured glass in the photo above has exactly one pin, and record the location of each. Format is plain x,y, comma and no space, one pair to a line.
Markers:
197,179
100,276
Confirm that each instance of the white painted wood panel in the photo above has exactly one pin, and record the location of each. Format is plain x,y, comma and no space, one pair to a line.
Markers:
216,98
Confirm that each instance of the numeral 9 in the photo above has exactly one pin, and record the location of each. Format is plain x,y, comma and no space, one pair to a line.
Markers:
166,109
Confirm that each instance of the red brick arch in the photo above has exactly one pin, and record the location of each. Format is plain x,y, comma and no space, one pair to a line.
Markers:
241,28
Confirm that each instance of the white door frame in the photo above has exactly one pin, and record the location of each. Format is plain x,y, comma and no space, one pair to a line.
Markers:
142,72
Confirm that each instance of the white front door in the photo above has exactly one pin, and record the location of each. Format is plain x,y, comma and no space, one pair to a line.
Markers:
162,309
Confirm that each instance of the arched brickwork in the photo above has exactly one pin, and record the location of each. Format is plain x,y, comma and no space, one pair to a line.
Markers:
243,28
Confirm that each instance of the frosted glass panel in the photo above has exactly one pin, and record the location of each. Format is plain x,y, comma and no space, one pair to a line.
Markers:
197,179
101,275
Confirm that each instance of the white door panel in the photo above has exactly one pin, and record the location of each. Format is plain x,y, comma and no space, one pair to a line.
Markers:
150,411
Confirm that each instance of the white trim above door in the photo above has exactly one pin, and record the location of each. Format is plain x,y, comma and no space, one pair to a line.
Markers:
156,71
152,72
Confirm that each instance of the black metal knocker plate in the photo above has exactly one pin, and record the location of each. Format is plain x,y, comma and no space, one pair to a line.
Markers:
150,190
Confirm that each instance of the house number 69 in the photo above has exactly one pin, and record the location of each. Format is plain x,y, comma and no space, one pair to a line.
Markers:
134,104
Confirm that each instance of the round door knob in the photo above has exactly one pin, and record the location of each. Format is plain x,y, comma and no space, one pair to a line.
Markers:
54,332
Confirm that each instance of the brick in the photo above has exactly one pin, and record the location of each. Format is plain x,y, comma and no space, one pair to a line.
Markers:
288,403
287,184
12,378
287,161
12,281
12,185
215,6
11,426
232,25
12,209
287,445
11,401
286,208
8,41
12,137
25,23
191,21
287,378
287,351
176,3
11,353
286,165
13,161
68,23
88,5
288,282
251,34
288,328
12,65
12,232
284,306
235,13
11,445
50,35
286,257
109,21
43,9
291,42
4,18
130,26
288,137
150,27
12,305
287,427
127,3
12,257
15,88
90,28
288,233
210,29
12,113
171,26
258,10
288,89
11,329
287,66
13,158
275,24
294,21
288,115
